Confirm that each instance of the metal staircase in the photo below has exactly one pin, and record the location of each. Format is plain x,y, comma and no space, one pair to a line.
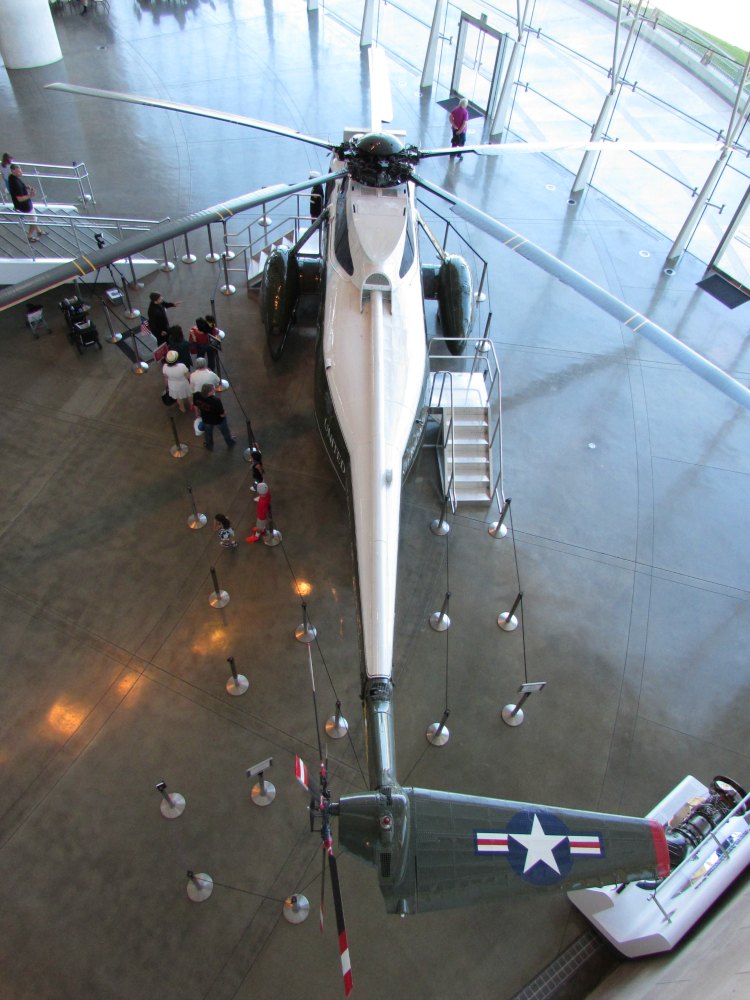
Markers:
68,233
465,401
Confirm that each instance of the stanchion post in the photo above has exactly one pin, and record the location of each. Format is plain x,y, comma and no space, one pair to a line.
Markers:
187,257
512,715
140,367
247,454
305,632
228,254
337,727
199,886
440,525
439,620
195,520
223,382
497,529
173,804
130,312
480,296
484,344
218,598
437,734
178,449
211,256
168,265
507,620
264,792
296,908
135,284
272,536
237,683
226,288
114,337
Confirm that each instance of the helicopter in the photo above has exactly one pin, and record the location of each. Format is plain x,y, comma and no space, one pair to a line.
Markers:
431,849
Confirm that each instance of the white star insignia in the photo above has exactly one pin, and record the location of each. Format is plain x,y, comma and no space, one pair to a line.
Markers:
539,846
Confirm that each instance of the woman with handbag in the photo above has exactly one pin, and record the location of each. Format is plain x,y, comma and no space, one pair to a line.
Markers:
177,381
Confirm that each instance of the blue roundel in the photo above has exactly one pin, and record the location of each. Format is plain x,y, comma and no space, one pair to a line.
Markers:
538,847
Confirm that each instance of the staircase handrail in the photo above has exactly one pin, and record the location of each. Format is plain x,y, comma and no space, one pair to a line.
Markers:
39,172
484,361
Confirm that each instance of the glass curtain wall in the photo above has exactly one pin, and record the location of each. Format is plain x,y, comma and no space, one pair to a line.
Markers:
563,79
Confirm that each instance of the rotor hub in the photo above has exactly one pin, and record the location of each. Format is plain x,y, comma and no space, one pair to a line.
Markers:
379,159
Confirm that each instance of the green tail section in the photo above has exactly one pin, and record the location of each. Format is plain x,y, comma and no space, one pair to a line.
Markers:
436,850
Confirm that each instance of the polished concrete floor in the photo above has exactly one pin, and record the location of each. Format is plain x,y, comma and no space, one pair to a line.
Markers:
630,481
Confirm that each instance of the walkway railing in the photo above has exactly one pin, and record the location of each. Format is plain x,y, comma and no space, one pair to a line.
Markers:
55,183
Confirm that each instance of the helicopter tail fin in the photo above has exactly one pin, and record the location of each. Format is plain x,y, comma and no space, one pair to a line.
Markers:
437,850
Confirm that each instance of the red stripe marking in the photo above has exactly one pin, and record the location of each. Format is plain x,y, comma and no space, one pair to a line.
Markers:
661,849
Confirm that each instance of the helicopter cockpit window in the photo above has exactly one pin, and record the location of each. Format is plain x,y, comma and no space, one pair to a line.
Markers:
408,256
341,246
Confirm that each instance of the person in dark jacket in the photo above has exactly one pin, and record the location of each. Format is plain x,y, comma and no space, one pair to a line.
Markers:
177,342
212,414
22,197
158,320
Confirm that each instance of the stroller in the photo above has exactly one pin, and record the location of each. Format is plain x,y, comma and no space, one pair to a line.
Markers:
81,330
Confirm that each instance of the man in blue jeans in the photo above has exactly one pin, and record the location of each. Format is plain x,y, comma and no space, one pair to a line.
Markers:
213,415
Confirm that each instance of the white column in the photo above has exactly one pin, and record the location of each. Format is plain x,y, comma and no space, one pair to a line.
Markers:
27,34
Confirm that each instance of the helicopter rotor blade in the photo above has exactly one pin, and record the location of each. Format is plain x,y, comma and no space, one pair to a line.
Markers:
91,263
323,893
346,967
191,109
521,148
625,314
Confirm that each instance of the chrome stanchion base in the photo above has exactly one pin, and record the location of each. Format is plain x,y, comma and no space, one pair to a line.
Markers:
272,538
263,795
140,368
439,622
507,622
136,286
115,338
188,258
509,719
218,599
177,808
265,221
133,314
178,452
432,735
296,909
237,687
496,532
228,254
167,266
212,258
200,887
222,386
438,527
227,289
480,297
197,521
305,633
337,731
484,345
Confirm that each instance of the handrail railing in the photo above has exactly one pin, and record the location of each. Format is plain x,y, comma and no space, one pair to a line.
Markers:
484,361
72,226
37,173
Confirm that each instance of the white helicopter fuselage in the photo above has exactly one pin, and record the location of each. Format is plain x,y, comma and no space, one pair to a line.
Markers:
374,358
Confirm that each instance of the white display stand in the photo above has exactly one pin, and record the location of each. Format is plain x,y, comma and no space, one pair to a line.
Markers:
646,921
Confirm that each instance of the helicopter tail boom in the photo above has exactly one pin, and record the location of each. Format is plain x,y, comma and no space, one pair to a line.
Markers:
437,850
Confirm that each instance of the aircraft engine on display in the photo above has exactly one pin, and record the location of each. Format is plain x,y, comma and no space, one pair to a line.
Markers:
706,829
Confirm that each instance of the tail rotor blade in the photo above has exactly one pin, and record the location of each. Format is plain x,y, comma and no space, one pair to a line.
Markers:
346,968
322,894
